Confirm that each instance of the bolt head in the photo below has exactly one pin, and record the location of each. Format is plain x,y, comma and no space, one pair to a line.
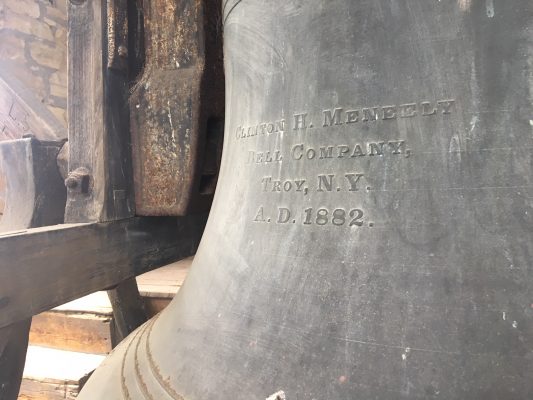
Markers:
122,51
71,183
78,180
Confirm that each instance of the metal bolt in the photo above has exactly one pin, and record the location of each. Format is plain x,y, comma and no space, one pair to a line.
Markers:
71,183
78,180
122,51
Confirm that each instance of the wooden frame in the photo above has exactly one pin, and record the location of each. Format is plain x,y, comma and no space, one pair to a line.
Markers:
35,197
102,244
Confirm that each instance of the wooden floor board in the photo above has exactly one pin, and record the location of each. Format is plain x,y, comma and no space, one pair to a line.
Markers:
83,332
95,303
68,366
55,374
163,282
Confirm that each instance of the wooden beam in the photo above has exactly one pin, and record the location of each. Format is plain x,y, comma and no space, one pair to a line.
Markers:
42,268
35,193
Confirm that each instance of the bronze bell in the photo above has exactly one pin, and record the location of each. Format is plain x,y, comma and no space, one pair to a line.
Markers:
371,233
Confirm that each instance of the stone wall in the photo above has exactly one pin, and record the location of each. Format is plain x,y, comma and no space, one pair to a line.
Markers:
33,56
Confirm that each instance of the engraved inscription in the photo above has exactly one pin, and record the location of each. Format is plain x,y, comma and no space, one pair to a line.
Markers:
340,116
393,147
301,152
262,129
300,122
270,184
266,157
337,116
295,150
348,182
354,217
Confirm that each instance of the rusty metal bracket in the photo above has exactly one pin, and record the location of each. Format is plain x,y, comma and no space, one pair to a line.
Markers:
117,35
177,108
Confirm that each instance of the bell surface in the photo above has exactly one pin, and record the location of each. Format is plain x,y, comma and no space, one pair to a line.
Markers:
371,233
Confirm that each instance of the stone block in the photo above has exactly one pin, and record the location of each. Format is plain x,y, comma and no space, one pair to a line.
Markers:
61,5
28,8
25,24
59,78
59,113
57,15
60,102
48,56
61,36
58,91
11,47
30,79
58,83
51,23
2,182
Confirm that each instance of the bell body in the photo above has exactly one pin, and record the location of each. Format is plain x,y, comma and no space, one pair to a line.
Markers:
371,235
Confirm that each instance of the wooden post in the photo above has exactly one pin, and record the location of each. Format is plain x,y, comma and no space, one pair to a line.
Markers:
100,180
100,183
129,310
13,345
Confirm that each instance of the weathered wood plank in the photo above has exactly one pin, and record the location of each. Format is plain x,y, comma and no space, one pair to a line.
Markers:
62,379
34,193
39,390
164,282
86,333
53,265
35,196
94,303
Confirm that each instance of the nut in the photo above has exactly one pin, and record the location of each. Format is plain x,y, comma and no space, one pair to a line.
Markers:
78,180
